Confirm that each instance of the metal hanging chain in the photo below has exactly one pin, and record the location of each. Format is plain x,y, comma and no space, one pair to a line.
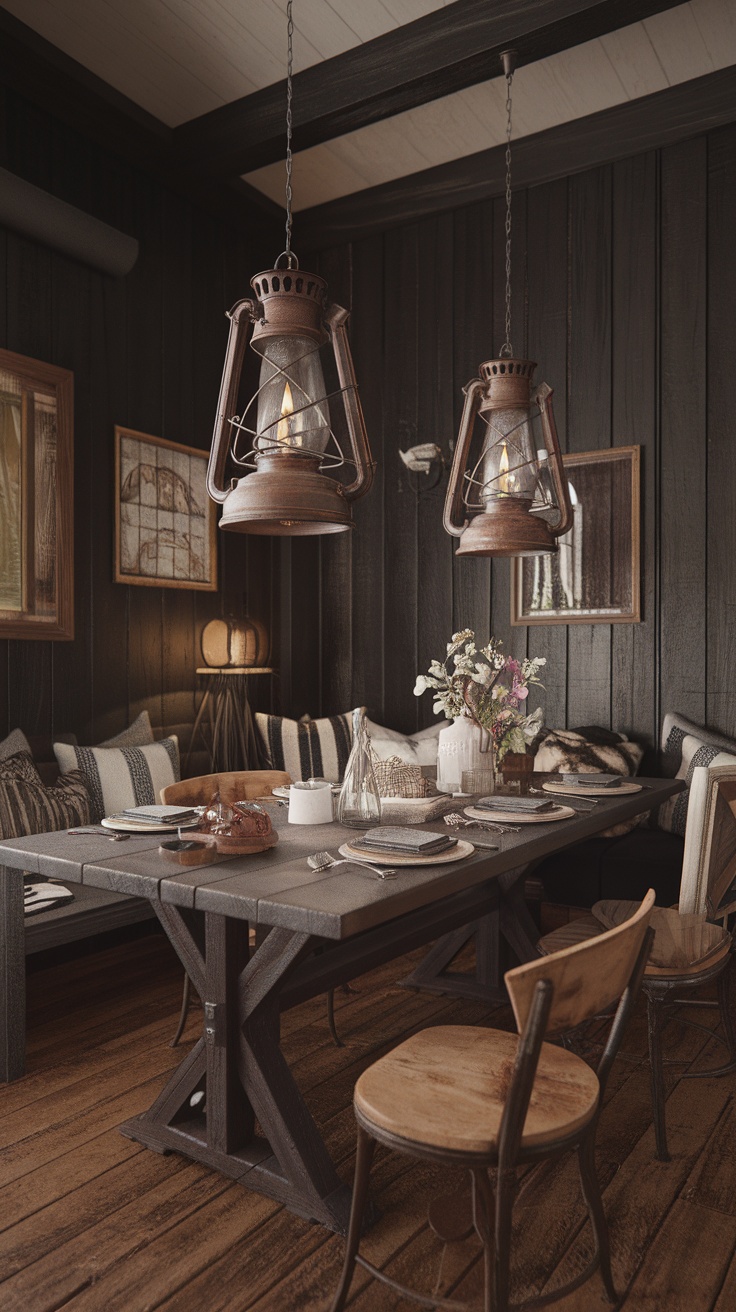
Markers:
509,64
290,257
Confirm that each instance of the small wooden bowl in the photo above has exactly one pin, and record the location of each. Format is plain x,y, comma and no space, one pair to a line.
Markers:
189,852
239,846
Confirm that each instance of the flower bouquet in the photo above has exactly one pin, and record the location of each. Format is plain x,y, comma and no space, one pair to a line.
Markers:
481,685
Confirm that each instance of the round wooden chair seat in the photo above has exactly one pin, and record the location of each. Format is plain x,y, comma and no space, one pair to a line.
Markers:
446,1088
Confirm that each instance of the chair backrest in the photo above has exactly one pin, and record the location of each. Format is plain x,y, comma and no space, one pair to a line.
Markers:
586,978
709,860
233,786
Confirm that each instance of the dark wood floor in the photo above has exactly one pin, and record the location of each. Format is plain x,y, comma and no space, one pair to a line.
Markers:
91,1222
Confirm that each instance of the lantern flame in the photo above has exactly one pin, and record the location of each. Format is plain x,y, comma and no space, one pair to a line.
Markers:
287,408
506,481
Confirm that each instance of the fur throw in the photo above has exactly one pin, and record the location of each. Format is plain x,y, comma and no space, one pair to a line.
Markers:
590,751
570,751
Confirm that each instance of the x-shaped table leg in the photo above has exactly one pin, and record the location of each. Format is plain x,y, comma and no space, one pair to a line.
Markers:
239,1067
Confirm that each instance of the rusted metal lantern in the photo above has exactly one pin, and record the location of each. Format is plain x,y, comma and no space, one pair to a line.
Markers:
513,499
508,496
284,437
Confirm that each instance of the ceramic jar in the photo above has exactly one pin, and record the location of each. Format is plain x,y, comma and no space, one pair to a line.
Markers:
462,745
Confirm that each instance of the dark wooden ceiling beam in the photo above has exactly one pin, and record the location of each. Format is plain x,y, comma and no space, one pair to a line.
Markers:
44,75
674,114
454,47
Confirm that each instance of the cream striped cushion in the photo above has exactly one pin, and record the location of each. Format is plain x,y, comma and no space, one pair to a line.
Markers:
306,748
122,777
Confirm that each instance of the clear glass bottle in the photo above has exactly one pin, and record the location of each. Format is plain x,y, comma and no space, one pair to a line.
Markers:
359,804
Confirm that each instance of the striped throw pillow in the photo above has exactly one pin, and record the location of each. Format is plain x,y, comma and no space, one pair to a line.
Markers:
307,749
27,806
693,752
121,777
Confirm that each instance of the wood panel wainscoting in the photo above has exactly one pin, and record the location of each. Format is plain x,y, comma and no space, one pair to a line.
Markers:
620,274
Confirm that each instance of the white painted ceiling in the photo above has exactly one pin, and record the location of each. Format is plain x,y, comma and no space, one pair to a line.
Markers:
180,58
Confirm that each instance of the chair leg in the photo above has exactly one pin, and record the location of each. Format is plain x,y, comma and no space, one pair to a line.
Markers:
483,1222
592,1195
725,1003
331,1019
497,1298
364,1157
655,1018
185,999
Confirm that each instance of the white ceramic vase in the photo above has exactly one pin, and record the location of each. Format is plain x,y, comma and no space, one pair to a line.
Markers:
462,745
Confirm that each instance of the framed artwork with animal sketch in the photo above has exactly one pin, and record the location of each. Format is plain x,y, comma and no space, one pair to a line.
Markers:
165,524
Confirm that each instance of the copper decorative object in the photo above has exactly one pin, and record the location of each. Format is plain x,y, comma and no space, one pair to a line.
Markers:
513,501
286,491
287,423
511,498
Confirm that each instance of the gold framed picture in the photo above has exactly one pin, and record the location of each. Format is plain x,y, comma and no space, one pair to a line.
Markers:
594,577
36,499
165,523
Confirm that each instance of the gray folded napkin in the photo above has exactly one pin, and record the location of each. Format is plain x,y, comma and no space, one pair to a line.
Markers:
414,842
593,780
520,804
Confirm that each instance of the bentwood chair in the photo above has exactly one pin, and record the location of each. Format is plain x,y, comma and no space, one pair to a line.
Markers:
690,950
233,786
488,1101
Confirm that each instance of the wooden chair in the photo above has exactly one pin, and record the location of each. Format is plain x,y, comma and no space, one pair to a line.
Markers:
235,786
486,1100
689,949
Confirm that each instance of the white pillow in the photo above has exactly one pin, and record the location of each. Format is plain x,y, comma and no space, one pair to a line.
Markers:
419,749
137,734
119,778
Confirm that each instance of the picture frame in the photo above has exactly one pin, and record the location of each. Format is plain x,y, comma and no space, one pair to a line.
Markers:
165,523
594,578
36,499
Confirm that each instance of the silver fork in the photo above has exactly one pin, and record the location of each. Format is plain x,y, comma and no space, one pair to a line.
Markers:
457,821
323,861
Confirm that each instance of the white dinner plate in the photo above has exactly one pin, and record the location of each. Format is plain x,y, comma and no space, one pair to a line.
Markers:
589,790
138,827
458,853
519,817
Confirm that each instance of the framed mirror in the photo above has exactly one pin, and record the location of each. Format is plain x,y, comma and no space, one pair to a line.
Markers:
594,578
36,499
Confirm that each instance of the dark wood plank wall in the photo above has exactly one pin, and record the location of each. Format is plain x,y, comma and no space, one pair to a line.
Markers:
623,276
146,352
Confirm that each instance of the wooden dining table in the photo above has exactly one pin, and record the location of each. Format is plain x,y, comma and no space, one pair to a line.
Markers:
314,930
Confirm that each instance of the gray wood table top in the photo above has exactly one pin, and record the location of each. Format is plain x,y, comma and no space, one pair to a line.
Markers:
277,888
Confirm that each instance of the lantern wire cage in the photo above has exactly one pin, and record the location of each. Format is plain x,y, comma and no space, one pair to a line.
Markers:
262,445
475,487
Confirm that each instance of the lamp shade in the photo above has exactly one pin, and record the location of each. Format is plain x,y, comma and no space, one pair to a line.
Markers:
238,643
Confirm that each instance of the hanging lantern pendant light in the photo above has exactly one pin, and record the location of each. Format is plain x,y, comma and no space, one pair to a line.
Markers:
513,501
284,437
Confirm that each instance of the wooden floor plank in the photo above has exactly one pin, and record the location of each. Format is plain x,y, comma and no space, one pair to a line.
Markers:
91,1222
702,1243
